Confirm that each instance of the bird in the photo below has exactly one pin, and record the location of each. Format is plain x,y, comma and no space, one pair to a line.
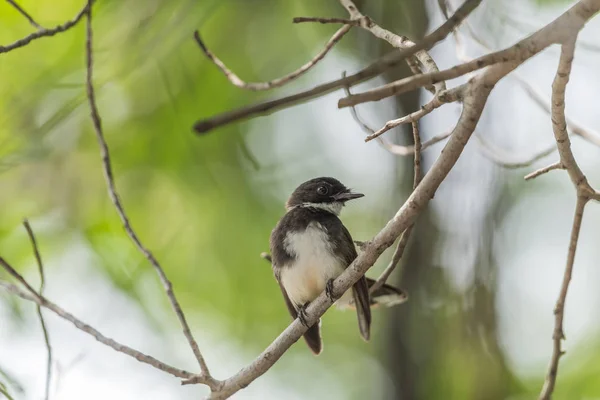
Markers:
310,247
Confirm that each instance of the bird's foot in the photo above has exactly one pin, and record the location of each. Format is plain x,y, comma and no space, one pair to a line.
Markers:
329,291
302,315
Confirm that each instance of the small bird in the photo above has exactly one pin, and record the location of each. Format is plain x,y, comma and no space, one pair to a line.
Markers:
310,247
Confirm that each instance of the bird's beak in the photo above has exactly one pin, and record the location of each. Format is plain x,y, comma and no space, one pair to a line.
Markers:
347,196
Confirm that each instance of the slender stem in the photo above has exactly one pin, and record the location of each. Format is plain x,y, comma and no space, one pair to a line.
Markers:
38,259
114,196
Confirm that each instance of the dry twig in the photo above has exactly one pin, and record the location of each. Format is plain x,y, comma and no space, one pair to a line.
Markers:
114,196
391,147
42,301
236,81
24,13
46,32
406,234
298,20
40,265
383,64
584,194
541,171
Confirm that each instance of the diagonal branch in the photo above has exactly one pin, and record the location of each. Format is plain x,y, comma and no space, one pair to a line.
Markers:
114,196
42,301
413,117
24,13
584,193
38,259
298,20
46,32
406,234
391,147
545,170
236,81
383,64
559,309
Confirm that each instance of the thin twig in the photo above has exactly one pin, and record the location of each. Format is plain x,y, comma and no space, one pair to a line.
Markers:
406,234
258,86
410,118
42,301
538,98
541,171
25,14
298,20
38,259
567,160
114,196
389,146
383,64
559,309
45,32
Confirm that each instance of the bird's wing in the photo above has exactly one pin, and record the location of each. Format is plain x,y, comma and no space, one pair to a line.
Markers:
360,290
313,335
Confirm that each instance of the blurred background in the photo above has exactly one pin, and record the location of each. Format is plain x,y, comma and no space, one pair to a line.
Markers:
483,267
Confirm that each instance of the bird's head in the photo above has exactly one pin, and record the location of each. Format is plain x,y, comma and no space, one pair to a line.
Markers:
326,193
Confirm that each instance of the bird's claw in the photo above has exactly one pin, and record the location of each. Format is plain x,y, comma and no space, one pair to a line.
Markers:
329,290
302,315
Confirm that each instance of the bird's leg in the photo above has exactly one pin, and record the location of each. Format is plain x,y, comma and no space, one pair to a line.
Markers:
302,314
329,290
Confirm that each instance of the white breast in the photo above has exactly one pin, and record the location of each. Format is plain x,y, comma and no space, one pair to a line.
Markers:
314,265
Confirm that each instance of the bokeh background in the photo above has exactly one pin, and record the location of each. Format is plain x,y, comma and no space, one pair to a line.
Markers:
484,264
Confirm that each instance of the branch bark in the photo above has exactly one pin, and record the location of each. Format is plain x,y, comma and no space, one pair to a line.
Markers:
115,198
46,32
373,70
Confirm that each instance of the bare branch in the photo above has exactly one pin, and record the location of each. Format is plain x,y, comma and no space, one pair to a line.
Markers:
236,81
584,193
42,301
38,258
541,171
389,146
383,64
114,196
410,118
519,52
559,309
406,234
26,15
298,20
539,99
45,32
575,127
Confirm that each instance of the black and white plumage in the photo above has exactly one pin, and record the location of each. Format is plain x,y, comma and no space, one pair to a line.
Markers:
310,247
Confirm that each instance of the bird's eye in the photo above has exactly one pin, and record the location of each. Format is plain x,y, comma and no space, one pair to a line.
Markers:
322,190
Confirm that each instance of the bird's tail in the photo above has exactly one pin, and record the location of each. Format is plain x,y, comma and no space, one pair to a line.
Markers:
386,295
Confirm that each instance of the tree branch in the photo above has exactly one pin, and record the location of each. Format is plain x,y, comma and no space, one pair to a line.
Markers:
584,193
45,32
25,14
383,64
42,301
298,20
391,147
38,259
541,171
115,198
236,81
406,234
